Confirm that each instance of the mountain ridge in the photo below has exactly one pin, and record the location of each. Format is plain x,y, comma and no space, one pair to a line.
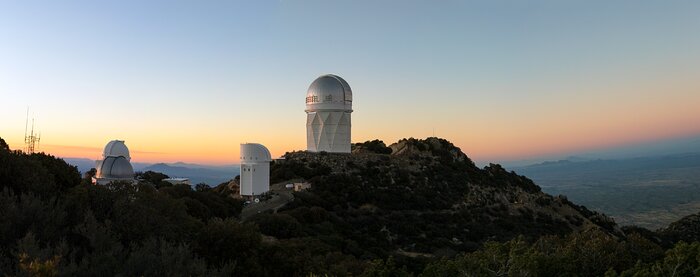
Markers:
434,187
427,210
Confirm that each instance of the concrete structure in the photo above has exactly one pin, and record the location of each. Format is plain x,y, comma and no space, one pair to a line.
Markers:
115,164
178,181
301,186
255,169
328,109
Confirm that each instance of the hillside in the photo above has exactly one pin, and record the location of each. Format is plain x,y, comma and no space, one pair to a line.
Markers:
427,197
684,229
648,191
415,208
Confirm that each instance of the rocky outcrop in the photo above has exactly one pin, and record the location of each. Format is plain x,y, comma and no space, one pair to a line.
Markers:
231,188
686,229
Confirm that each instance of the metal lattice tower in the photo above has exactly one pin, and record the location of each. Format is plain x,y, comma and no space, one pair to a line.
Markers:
31,141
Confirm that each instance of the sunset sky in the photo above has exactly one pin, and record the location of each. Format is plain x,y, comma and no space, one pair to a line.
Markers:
503,80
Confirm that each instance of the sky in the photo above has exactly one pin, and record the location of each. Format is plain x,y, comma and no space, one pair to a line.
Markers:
503,80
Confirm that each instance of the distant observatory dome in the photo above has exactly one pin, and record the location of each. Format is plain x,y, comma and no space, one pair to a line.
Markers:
114,168
255,169
116,148
329,92
254,153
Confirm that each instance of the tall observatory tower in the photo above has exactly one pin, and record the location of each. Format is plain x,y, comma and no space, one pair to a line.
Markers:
328,109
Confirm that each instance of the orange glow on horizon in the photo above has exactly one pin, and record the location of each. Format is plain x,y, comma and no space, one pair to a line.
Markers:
480,149
490,130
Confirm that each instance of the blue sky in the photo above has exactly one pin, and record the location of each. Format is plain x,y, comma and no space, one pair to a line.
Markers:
501,79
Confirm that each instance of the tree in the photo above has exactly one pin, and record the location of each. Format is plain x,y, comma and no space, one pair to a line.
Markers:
155,178
87,177
374,146
4,146
388,268
224,241
278,225
202,187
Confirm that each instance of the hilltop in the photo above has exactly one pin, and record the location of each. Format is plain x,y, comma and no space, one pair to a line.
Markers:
684,229
426,197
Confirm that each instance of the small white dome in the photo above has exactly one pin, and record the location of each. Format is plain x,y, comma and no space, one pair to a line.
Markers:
116,148
254,153
329,92
115,168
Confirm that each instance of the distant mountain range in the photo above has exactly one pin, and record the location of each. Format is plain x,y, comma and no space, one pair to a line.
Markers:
646,191
210,175
647,149
197,173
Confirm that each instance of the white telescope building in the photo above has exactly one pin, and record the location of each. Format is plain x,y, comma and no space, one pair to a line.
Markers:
328,109
115,164
255,169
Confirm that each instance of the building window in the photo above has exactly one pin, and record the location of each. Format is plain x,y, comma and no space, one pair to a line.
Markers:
312,99
329,98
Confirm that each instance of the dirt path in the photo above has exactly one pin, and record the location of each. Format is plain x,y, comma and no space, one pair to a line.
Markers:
280,199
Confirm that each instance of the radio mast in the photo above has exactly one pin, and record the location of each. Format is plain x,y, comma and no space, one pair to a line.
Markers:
30,140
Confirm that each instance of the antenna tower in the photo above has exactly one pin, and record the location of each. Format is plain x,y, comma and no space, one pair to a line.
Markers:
31,140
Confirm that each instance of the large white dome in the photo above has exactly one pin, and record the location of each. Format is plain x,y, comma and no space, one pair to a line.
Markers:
329,92
114,168
116,148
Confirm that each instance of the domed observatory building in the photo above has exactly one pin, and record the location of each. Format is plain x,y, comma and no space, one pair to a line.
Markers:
255,169
115,164
328,109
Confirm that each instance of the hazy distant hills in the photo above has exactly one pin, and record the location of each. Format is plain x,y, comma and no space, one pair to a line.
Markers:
648,191
83,164
648,149
197,173
210,175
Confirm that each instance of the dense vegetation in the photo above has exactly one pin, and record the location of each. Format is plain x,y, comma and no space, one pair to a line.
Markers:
372,146
424,211
431,200
54,222
577,254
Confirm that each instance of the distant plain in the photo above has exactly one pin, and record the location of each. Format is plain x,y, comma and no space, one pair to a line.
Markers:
650,192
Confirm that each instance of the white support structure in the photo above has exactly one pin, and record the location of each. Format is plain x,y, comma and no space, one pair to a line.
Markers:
255,169
328,115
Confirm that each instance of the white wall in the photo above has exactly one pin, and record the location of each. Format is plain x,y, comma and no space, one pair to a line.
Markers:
255,178
328,131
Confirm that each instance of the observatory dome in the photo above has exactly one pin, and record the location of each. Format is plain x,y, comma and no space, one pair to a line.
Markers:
115,168
329,92
116,148
254,153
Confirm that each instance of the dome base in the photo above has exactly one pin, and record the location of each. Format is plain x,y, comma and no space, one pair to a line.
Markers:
328,131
